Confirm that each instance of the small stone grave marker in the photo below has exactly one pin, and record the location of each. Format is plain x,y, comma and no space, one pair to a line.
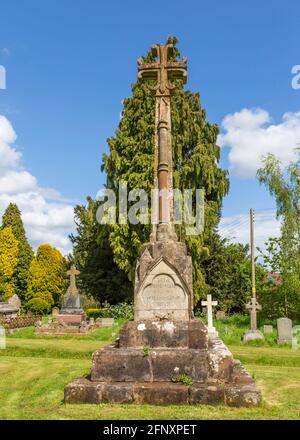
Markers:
268,329
220,314
55,311
296,337
284,327
106,322
2,338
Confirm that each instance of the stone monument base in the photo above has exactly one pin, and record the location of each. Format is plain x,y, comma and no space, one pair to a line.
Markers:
252,335
152,360
63,325
70,319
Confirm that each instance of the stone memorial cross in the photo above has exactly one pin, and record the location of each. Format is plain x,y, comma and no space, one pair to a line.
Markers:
73,272
212,332
163,70
253,306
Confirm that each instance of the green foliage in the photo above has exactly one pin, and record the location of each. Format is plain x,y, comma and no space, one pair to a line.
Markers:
9,249
47,279
283,254
38,306
232,328
120,311
116,311
88,302
182,378
195,157
146,351
228,274
97,313
100,277
12,217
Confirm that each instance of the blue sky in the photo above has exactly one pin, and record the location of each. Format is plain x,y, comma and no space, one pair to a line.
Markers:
69,64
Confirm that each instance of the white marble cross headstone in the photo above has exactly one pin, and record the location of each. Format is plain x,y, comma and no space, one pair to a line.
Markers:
212,332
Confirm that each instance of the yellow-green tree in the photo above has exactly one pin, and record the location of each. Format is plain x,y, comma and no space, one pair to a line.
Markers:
9,248
47,279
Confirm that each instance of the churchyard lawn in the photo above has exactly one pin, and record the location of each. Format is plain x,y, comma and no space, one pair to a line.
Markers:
34,370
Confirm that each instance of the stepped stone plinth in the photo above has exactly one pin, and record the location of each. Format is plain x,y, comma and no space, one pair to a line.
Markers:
127,373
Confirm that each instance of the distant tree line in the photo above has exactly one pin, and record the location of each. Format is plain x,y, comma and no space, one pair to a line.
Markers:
39,280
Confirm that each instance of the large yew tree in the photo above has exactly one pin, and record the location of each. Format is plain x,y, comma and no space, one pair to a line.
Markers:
196,157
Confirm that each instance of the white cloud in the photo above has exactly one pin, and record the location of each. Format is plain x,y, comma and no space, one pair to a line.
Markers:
47,217
237,228
250,135
14,182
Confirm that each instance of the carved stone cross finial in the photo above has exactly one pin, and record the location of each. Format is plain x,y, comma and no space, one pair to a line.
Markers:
253,306
163,69
73,272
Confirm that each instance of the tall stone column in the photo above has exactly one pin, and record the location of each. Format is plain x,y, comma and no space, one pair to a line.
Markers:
164,71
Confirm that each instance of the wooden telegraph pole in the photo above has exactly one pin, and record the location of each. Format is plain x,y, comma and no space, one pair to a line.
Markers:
252,253
253,305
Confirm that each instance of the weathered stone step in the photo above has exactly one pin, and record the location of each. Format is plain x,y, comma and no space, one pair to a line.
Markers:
113,364
83,390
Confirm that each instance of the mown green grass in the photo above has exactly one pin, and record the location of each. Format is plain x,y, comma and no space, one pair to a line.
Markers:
34,370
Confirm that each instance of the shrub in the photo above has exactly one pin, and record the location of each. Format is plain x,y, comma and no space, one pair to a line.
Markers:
38,306
96,313
120,311
117,311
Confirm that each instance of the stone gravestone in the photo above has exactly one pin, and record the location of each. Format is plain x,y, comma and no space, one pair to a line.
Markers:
296,337
55,311
220,314
71,303
212,332
176,344
2,338
71,312
106,322
284,327
253,333
268,329
15,301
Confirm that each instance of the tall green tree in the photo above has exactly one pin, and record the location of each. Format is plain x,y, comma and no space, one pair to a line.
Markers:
9,248
100,277
12,218
47,276
196,157
284,253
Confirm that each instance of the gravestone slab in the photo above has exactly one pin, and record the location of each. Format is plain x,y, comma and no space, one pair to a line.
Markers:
106,322
296,337
268,329
284,327
55,311
2,338
15,301
220,315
